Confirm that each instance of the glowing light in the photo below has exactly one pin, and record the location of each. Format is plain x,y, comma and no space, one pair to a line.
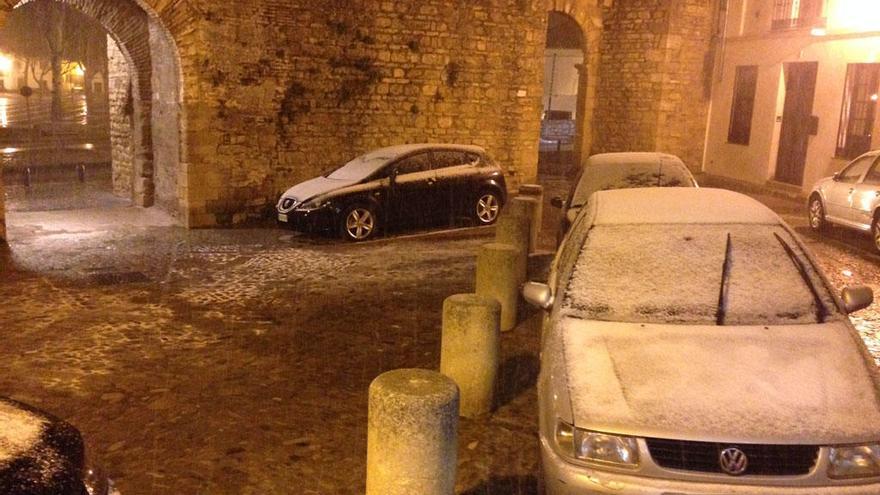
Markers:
5,63
847,273
4,112
9,151
79,70
818,31
89,146
874,97
854,15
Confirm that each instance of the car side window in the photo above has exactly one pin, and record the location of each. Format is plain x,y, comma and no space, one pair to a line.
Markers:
446,158
851,174
414,164
873,177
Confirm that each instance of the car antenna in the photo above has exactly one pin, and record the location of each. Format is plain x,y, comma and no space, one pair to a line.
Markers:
725,284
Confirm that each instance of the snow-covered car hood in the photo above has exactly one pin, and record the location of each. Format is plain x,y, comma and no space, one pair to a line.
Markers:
800,384
311,188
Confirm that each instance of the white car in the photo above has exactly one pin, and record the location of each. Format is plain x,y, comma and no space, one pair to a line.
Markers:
850,198
607,171
692,346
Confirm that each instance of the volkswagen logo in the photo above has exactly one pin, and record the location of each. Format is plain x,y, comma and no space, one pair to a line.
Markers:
733,461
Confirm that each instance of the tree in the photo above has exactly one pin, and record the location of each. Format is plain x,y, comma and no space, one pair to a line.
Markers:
50,33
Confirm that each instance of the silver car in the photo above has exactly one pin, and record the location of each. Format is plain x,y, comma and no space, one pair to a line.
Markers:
692,346
606,171
850,198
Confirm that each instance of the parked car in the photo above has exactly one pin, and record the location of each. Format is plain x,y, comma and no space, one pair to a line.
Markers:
691,345
850,198
43,455
619,171
398,186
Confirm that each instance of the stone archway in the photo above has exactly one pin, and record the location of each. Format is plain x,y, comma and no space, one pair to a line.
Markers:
148,144
588,15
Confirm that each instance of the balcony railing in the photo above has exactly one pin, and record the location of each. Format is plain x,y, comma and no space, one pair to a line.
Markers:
797,14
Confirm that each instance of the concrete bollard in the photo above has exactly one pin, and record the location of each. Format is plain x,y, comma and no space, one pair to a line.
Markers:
497,274
527,207
535,191
412,434
470,349
515,230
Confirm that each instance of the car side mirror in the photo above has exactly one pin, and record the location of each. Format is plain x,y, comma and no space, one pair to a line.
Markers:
538,295
856,298
557,202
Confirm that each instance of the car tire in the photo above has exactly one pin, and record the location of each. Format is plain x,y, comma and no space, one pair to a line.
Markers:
487,207
358,222
816,214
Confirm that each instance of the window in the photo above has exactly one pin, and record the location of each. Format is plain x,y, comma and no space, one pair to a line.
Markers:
743,104
873,177
444,159
851,174
414,164
793,14
859,110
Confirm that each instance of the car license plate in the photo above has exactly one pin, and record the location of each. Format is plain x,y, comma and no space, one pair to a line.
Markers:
282,217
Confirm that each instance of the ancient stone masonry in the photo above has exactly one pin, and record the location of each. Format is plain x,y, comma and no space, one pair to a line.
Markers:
651,92
289,89
233,102
121,125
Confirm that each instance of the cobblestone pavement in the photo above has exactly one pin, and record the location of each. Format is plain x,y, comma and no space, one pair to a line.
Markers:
237,361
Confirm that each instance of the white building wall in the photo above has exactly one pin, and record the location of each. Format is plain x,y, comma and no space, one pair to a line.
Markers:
757,45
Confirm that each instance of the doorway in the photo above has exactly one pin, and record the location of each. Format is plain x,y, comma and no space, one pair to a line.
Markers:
798,123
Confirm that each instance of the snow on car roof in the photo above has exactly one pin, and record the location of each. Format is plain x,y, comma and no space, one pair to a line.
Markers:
391,152
678,205
629,157
19,431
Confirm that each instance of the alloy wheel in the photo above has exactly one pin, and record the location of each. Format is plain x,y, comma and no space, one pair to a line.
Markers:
360,223
875,233
487,208
817,214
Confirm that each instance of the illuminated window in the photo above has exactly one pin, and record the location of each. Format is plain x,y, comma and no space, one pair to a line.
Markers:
743,104
792,14
859,110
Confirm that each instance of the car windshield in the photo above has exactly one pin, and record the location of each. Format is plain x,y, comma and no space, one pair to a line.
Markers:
360,168
695,274
627,175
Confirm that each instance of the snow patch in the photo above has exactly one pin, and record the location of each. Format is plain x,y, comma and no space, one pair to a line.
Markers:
20,430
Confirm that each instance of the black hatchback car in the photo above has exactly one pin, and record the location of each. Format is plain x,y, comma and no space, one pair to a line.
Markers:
43,455
406,185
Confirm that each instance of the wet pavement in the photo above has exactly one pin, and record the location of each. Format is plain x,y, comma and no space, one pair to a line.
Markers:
237,361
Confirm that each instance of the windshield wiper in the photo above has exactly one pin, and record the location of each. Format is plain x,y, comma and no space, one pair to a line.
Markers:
821,311
725,284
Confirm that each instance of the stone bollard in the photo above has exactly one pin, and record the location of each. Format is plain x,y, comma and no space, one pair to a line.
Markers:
470,349
535,191
515,230
497,274
527,207
412,434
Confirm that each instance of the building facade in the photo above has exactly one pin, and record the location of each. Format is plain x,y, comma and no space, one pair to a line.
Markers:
795,96
220,106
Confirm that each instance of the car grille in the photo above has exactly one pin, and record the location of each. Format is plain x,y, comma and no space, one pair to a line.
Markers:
764,460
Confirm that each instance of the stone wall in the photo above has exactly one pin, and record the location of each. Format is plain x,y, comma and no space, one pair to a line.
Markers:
288,89
651,93
121,110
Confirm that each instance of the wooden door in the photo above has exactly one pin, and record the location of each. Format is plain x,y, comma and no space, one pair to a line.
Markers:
800,88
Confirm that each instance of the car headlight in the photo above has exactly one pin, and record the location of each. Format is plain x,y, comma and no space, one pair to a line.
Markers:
314,204
860,461
597,447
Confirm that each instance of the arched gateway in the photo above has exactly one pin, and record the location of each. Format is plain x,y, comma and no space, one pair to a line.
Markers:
147,121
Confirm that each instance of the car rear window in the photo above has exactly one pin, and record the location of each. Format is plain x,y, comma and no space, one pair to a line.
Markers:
695,274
